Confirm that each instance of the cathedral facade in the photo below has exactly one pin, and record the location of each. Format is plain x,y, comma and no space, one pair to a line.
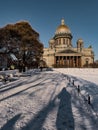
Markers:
61,52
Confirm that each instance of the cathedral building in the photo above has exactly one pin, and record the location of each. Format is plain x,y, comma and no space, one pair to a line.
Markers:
61,52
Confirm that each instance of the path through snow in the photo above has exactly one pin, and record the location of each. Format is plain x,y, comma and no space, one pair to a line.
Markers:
44,101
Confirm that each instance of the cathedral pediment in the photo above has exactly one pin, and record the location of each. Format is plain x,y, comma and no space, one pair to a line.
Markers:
68,51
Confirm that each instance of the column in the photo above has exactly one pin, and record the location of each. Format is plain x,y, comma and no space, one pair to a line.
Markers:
77,62
54,60
72,61
65,61
62,60
59,60
69,61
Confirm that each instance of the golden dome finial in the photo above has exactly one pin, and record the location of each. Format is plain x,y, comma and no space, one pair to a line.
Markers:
62,28
62,21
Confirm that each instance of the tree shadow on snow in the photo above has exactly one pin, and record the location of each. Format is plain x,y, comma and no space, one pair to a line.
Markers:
10,124
65,120
19,92
38,121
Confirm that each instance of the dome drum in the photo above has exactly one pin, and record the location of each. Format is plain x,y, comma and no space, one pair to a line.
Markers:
63,35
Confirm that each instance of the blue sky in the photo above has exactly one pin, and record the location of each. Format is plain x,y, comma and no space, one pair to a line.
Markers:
81,16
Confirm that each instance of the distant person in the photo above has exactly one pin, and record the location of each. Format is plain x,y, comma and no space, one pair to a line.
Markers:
89,102
5,78
41,68
78,90
20,67
73,82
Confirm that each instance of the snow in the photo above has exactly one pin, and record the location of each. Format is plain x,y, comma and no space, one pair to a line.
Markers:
49,100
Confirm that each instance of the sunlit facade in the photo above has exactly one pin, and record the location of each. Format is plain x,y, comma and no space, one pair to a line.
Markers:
61,52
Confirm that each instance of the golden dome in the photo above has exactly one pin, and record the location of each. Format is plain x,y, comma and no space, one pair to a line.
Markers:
62,28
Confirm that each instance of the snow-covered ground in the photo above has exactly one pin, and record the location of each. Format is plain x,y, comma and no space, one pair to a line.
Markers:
49,100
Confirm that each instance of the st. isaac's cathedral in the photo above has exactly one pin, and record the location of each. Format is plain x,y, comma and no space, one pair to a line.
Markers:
61,52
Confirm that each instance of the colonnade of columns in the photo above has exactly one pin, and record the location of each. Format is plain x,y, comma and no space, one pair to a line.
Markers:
68,61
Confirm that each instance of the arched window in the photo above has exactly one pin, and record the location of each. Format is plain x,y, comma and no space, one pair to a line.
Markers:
67,41
63,40
87,62
59,41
